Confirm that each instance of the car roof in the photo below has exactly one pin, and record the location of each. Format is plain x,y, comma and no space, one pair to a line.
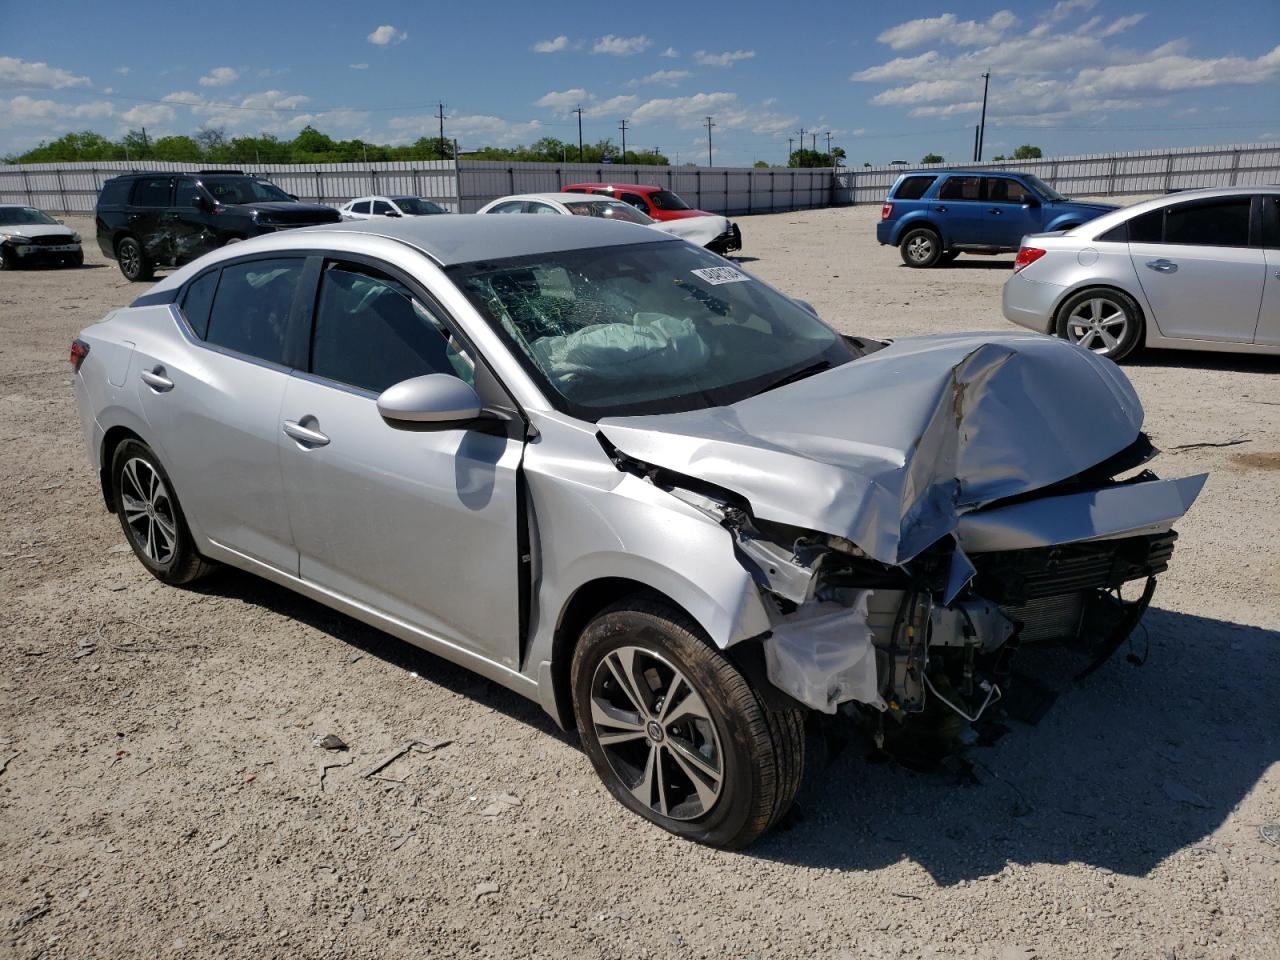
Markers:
556,197
634,187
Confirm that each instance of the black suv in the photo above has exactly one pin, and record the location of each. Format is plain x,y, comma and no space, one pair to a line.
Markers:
146,220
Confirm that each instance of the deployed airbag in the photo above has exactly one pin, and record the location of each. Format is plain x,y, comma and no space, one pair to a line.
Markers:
823,655
655,345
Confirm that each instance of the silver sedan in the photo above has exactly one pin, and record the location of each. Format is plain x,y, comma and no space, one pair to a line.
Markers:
612,472
1197,270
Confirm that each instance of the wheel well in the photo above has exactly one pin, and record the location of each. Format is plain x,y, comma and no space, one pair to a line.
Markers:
120,235
115,436
916,225
587,601
1057,310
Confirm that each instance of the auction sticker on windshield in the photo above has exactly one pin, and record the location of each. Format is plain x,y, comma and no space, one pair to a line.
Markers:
718,275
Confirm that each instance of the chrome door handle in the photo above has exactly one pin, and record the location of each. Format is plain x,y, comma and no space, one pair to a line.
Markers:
312,438
1163,266
942,209
156,380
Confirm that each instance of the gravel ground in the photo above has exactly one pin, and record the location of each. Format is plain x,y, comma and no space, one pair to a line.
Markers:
161,795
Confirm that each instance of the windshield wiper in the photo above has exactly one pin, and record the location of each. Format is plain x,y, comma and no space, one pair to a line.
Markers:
795,375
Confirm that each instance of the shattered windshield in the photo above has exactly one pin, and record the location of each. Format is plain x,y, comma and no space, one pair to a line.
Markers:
607,209
646,328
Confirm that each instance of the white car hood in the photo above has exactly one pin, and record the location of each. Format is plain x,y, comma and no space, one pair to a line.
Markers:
697,230
890,450
37,230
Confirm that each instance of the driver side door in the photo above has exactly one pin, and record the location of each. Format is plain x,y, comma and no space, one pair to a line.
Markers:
419,525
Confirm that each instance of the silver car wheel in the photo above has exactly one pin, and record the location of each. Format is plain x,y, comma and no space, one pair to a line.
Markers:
920,248
1098,324
657,733
148,510
130,259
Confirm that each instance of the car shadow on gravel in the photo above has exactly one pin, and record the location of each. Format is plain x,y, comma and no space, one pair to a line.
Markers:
1205,360
247,588
1128,767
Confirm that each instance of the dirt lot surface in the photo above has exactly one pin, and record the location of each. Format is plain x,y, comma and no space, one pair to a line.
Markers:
161,795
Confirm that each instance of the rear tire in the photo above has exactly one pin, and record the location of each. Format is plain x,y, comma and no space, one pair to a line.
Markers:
921,247
152,518
133,260
1106,322
688,745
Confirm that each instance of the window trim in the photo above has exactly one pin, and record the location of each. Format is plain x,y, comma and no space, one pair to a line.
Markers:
1253,241
987,179
982,189
931,177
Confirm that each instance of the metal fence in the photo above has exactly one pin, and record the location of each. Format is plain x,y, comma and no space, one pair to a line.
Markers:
465,186
1103,174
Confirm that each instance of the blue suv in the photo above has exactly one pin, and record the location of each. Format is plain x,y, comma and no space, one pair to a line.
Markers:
932,216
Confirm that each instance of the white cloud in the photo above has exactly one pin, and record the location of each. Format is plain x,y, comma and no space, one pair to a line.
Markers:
147,115
471,129
562,101
1122,23
948,28
220,77
24,110
1175,72
358,66
387,35
685,111
613,106
668,78
900,68
26,74
123,71
622,46
552,46
670,53
726,59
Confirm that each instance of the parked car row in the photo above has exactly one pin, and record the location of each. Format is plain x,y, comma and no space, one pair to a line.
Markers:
1198,269
706,230
29,236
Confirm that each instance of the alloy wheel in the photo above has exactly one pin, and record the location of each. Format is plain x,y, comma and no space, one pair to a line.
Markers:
657,733
1097,324
130,258
919,248
148,510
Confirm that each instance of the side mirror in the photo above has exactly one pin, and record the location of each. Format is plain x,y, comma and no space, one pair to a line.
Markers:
437,398
1031,203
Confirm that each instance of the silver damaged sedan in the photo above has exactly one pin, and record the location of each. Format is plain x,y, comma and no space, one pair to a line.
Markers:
611,471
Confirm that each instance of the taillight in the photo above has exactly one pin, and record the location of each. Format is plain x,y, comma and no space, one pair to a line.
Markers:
79,350
886,211
1026,257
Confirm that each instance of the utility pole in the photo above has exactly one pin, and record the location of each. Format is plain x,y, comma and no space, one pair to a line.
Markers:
982,126
790,141
623,127
975,143
814,140
800,134
440,114
829,148
579,113
709,126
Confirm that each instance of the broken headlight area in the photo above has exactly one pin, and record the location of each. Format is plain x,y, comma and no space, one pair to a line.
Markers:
928,643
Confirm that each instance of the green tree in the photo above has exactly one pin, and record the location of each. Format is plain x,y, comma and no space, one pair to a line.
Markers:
933,158
177,149
761,164
137,144
810,158
1027,152
999,156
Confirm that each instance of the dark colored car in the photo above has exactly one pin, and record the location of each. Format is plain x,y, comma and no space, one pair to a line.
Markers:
932,216
146,220
661,205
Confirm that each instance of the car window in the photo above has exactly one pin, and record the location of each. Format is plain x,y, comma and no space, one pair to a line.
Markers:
250,311
635,200
151,192
1147,227
1271,221
511,206
232,190
1004,190
913,188
575,190
13,216
1218,223
185,192
361,207
535,207
666,200
371,332
1117,234
416,206
197,301
114,192
961,188
607,210
381,208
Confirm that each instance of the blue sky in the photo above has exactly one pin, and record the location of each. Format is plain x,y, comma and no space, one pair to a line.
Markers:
888,81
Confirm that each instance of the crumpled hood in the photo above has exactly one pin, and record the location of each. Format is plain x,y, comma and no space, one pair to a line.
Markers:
891,449
38,230
697,230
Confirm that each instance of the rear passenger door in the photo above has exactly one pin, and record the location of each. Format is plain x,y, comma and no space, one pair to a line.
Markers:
1202,275
958,212
1268,331
150,201
213,397
416,524
189,226
1012,211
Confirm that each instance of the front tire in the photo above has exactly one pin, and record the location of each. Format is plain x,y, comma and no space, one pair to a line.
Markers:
134,262
152,518
1107,322
675,731
921,247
